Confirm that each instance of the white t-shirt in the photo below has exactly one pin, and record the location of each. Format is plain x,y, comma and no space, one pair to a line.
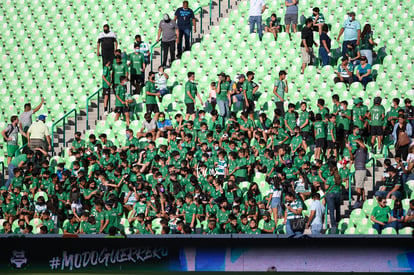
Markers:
160,81
319,209
256,7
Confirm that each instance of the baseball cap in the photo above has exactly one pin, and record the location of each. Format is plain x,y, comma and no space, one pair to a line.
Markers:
222,74
357,100
288,161
242,76
42,117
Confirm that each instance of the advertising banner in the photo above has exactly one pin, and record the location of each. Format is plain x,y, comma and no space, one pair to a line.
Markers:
206,254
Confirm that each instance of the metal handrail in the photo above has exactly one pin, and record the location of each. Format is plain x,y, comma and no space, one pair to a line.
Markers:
64,126
2,172
87,105
152,51
373,171
191,35
17,153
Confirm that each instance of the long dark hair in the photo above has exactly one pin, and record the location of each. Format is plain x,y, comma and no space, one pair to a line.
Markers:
397,211
366,30
335,173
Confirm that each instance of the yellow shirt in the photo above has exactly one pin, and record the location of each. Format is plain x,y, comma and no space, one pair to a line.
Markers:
38,130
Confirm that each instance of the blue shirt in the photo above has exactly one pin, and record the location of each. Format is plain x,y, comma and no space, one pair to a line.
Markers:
165,123
292,9
184,17
351,29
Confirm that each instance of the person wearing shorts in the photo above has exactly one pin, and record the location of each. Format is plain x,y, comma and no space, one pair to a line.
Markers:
121,104
306,46
249,89
190,96
291,15
151,95
106,85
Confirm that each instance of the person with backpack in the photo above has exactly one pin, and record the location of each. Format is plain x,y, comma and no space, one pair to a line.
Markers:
11,136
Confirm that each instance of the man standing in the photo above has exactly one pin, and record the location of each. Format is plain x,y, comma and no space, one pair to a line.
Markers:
306,45
376,116
184,16
360,158
118,69
136,62
108,44
121,104
249,89
144,48
190,96
106,85
38,135
170,34
291,15
257,7
26,118
11,136
151,95
279,91
352,32
223,96
317,210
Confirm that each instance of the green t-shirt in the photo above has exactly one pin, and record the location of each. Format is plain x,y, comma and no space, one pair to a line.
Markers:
267,225
377,113
319,128
290,119
92,228
107,74
224,89
302,119
296,142
190,210
192,88
358,112
222,216
50,225
280,89
381,213
324,111
120,91
365,45
241,172
70,228
343,122
248,87
150,87
331,131
16,160
140,208
112,216
118,71
331,181
137,62
274,23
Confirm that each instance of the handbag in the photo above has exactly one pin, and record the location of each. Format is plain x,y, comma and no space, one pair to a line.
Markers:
403,139
298,224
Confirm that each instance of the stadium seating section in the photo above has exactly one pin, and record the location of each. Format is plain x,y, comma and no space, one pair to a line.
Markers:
48,50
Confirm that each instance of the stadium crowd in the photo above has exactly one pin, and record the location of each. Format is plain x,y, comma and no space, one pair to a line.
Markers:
224,168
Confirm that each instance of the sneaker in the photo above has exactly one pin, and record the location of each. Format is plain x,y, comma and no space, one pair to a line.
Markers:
105,113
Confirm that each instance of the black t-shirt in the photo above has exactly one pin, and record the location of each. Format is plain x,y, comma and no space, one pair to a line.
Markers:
325,37
239,87
184,17
107,41
410,111
307,34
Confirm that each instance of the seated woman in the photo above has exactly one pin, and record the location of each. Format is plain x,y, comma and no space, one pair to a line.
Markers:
272,25
363,72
